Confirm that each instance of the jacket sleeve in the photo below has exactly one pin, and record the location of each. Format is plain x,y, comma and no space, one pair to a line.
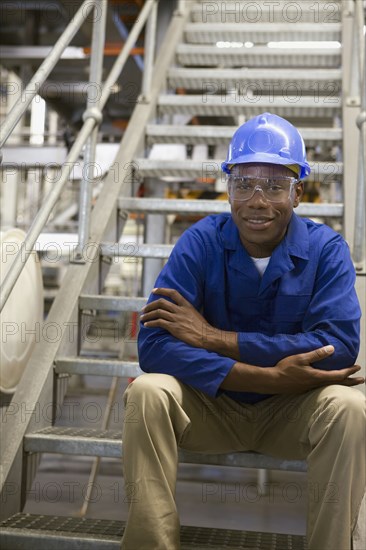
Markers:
333,317
161,352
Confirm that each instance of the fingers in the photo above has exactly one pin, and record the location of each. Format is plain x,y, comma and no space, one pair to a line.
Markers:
342,374
353,381
316,355
156,314
171,293
161,303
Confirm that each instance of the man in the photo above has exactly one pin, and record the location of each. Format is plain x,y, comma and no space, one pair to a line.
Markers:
250,339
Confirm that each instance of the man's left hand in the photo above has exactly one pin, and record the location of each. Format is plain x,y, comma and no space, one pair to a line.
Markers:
179,318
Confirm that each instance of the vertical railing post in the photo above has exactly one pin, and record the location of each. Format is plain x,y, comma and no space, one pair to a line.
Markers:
359,243
92,111
181,7
149,56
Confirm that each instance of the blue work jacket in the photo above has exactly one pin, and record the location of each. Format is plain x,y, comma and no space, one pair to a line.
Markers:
305,299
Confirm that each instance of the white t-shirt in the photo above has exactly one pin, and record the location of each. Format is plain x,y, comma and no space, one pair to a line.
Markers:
261,264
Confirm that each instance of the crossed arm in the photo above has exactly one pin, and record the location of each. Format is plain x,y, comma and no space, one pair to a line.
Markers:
293,374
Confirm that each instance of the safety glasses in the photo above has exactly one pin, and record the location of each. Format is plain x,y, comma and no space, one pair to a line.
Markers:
274,189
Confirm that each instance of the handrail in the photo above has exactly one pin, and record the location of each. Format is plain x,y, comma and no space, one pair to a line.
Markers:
91,117
44,70
359,240
96,68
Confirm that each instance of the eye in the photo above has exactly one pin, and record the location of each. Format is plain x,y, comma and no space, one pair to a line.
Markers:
243,186
275,187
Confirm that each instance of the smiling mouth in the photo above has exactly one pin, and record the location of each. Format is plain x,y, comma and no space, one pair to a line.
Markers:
259,223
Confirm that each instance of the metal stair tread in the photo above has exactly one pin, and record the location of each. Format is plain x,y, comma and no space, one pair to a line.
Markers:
71,440
123,250
110,303
93,366
213,135
61,532
261,32
251,13
183,74
208,54
227,104
198,206
108,443
173,206
210,168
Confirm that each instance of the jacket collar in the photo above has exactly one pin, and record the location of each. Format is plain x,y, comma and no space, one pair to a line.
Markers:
294,244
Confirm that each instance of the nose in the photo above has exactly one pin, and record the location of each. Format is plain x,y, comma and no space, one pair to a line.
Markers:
258,200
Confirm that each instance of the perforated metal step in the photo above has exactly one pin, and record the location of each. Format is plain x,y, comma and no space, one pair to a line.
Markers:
260,33
75,441
280,11
258,56
111,303
108,443
291,103
175,206
316,81
211,168
24,531
139,251
97,367
218,135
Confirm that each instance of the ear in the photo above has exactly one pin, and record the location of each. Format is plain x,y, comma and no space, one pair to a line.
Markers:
298,193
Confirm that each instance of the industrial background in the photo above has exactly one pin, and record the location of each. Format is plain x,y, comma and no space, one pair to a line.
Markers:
115,117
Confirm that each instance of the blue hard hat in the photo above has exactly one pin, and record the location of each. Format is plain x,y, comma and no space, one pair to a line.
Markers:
269,139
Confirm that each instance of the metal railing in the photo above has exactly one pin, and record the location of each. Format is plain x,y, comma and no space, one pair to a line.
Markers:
359,242
92,117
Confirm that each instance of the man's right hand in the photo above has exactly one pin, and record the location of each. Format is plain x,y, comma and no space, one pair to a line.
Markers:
295,374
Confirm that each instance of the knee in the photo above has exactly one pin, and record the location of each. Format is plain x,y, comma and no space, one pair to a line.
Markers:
342,406
149,389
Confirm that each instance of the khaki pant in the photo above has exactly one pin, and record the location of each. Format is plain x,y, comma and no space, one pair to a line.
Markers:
325,426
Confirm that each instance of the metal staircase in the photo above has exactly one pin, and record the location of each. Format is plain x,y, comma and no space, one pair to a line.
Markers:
222,84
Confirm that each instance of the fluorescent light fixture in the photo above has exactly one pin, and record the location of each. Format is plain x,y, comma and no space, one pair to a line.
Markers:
293,45
73,52
37,120
223,44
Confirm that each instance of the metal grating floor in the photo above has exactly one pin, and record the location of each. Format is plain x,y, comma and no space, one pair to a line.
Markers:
53,529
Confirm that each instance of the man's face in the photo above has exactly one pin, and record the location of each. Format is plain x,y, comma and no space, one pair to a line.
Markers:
262,224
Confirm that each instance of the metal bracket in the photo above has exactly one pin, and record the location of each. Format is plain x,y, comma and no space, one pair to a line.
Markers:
353,101
93,113
143,99
361,119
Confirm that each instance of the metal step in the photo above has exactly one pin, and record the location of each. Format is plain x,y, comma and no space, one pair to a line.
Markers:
261,33
108,443
221,135
316,81
174,206
97,367
263,12
290,104
121,250
110,303
24,531
257,56
211,168
197,206
75,441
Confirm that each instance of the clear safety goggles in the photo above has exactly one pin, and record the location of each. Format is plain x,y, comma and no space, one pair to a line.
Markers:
274,189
